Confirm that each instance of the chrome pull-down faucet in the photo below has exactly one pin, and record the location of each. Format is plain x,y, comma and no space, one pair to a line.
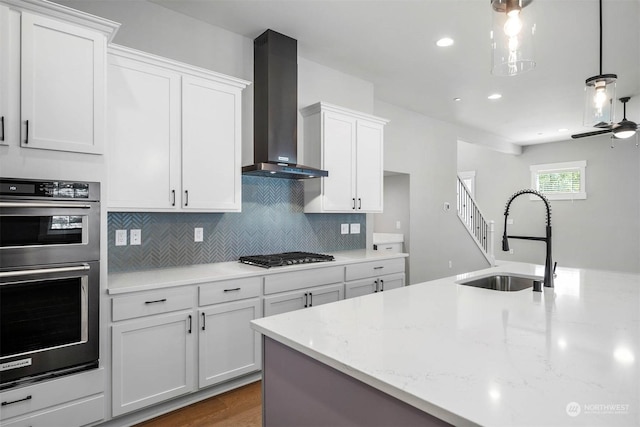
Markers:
548,269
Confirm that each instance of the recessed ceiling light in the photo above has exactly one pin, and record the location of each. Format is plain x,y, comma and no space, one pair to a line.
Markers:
457,99
495,96
563,130
444,42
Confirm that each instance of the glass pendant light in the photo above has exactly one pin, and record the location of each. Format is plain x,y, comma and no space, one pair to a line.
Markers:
600,94
512,33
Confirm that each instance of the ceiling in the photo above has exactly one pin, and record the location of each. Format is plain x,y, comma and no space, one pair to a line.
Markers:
391,43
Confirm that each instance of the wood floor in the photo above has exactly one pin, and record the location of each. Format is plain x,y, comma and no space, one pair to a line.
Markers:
241,407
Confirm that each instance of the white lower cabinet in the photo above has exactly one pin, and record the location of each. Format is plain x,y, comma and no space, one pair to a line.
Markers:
374,276
228,346
372,285
153,360
289,301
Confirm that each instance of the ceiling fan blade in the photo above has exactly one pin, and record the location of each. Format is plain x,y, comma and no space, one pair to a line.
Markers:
597,132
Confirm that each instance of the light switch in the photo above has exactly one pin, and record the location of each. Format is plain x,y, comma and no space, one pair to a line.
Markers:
121,237
344,229
135,237
355,228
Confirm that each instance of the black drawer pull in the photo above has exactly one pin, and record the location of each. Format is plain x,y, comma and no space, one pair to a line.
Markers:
378,268
231,290
156,301
5,403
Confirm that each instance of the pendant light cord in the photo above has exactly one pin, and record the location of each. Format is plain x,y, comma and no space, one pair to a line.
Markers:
600,37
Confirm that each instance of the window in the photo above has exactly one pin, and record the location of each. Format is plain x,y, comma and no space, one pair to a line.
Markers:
560,181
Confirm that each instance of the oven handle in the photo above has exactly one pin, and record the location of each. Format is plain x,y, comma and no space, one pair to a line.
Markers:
44,271
43,205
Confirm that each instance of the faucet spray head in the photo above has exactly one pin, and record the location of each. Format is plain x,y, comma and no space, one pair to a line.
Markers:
505,243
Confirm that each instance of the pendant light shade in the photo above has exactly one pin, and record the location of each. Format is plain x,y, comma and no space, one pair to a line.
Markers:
600,94
512,36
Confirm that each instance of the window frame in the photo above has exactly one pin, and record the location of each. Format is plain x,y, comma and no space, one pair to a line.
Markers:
579,165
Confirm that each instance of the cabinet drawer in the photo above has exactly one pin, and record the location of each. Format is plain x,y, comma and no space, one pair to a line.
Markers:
290,281
46,394
75,414
374,268
149,303
229,290
392,248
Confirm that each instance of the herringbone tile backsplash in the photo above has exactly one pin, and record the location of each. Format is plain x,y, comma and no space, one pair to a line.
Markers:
272,220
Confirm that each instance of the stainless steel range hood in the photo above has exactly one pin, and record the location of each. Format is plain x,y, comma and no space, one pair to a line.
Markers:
275,115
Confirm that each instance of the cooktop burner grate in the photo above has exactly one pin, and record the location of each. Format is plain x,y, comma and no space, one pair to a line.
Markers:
286,258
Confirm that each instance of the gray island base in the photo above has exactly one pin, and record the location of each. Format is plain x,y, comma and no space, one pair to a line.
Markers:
301,391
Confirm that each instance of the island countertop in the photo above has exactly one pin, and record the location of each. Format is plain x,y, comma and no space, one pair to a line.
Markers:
472,356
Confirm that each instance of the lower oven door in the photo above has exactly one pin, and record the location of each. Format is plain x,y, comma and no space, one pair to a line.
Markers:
49,321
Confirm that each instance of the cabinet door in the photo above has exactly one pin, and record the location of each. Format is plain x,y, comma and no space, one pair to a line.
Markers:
143,110
7,48
211,164
62,85
228,346
369,167
339,159
283,303
325,294
359,288
153,360
392,281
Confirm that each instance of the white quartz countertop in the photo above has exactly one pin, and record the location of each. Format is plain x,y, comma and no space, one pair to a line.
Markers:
565,357
157,278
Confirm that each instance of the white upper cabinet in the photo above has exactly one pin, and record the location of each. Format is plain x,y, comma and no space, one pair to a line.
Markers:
52,72
349,145
174,136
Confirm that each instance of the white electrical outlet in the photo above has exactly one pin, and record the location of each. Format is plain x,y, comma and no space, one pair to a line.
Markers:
509,221
355,228
135,237
344,228
198,234
450,264
121,237
397,225
511,251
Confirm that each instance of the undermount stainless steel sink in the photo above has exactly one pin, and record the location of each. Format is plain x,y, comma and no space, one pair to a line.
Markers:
502,282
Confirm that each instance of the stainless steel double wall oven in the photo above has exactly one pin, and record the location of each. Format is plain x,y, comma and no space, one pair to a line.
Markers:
49,278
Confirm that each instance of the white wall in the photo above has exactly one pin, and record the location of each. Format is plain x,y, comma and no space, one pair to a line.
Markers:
425,149
601,232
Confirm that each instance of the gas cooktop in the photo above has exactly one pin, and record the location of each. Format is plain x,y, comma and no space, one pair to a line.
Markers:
286,258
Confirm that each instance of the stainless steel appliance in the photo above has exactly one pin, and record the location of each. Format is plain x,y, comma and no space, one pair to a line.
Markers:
286,258
49,278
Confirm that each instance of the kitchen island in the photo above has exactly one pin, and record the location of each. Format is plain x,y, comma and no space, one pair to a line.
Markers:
440,352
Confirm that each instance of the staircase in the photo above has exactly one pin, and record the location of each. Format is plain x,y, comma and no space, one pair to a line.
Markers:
481,230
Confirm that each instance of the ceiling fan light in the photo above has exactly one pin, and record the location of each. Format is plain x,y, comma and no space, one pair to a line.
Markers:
625,130
512,35
599,100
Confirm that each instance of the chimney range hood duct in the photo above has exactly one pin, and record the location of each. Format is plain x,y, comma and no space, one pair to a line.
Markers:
275,112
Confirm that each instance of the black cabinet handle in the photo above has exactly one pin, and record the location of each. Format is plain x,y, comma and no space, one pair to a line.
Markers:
2,121
26,141
156,301
190,324
376,285
354,203
306,296
173,197
378,268
204,319
6,402
186,197
231,290
381,285
359,203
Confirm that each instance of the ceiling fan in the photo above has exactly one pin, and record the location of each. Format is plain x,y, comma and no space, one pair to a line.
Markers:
623,129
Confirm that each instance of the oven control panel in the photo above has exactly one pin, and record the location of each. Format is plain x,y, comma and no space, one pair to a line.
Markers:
25,188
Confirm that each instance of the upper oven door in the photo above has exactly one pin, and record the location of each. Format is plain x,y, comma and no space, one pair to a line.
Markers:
48,232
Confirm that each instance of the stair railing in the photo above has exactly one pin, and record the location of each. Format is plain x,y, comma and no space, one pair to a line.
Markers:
480,229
